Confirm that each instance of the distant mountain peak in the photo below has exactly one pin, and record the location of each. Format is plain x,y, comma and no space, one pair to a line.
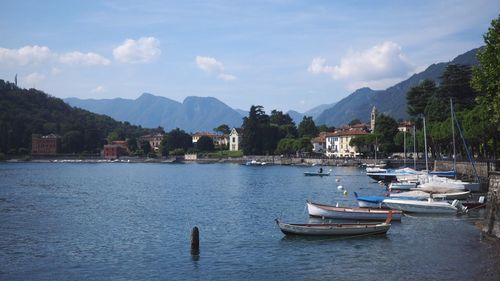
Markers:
148,110
391,101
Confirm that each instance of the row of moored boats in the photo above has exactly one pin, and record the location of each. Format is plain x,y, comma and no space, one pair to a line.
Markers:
410,192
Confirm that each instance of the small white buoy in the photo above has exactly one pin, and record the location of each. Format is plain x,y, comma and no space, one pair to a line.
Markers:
337,180
345,193
336,205
340,188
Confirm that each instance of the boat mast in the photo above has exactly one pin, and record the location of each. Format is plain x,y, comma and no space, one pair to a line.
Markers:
453,133
404,147
425,146
414,149
471,160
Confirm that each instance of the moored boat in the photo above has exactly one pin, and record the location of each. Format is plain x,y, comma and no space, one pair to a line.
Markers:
335,229
429,207
395,186
369,201
327,211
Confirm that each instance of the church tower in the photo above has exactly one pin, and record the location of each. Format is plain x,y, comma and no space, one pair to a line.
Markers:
372,118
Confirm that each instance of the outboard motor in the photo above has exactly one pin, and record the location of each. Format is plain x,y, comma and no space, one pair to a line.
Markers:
461,208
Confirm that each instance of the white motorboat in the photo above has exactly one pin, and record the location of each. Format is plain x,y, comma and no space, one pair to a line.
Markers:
430,206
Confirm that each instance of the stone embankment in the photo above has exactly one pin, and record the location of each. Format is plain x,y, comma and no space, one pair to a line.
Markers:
492,223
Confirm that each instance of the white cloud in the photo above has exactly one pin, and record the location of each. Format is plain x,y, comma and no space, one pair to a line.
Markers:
98,89
211,65
83,59
25,55
34,78
38,54
381,62
227,77
143,50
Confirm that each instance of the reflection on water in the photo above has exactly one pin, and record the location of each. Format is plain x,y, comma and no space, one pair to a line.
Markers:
63,221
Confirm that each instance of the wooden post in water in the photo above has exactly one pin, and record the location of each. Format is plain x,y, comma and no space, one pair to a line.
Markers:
195,241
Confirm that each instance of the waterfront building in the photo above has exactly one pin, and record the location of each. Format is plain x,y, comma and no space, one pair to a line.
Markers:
338,143
49,144
121,143
319,142
405,126
235,138
153,139
113,151
218,139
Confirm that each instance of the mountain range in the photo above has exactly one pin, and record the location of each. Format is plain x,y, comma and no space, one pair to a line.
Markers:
196,114
391,101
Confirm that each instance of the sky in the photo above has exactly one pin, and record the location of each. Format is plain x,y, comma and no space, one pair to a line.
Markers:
284,55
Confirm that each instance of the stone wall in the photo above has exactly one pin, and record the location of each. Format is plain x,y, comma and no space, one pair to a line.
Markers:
463,168
492,224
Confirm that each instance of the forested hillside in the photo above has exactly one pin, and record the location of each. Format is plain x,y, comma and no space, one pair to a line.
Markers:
24,112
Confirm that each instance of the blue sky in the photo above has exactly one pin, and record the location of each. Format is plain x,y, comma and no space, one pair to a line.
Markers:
280,54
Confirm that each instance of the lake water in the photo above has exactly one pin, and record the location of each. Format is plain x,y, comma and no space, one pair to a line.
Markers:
133,222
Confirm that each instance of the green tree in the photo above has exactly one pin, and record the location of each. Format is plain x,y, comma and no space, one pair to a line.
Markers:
286,146
283,126
354,122
479,133
145,147
307,128
205,143
117,134
437,110
418,97
303,144
365,143
386,128
325,128
223,129
176,139
255,131
455,84
278,118
486,77
72,142
132,143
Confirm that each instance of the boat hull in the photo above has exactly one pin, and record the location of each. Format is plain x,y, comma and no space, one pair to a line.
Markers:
326,211
366,204
416,206
333,229
401,186
382,177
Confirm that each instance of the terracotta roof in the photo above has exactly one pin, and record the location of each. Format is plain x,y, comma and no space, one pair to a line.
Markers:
319,139
348,133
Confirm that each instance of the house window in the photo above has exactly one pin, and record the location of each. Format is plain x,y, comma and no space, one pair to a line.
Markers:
234,139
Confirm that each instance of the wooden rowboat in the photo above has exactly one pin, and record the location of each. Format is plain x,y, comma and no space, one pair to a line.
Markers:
327,211
336,229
